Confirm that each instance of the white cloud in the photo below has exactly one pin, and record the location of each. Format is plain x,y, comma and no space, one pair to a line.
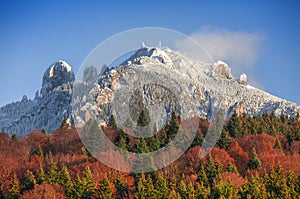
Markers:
240,49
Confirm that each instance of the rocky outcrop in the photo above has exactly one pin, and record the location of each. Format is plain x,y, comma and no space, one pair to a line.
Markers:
164,81
159,81
47,109
243,79
221,69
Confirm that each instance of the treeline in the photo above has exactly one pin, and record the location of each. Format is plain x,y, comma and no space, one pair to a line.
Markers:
255,157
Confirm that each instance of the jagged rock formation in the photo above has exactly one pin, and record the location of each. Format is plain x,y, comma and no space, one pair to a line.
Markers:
243,79
47,109
162,81
158,80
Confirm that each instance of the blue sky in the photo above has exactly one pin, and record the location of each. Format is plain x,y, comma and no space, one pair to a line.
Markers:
34,34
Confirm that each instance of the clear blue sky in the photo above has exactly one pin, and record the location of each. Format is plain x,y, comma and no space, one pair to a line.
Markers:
34,34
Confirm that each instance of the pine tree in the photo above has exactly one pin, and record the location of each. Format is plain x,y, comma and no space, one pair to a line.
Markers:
202,178
190,191
234,126
210,170
276,184
231,168
183,189
224,190
41,176
202,190
224,140
40,152
112,122
105,190
253,162
161,189
172,127
198,139
254,188
64,122
88,183
52,173
174,195
66,182
122,140
14,188
29,181
121,187
143,120
145,188
78,187
291,183
2,196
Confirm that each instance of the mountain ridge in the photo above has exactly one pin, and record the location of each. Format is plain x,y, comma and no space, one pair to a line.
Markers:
196,84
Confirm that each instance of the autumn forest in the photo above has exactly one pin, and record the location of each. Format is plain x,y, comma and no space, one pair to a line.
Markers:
255,157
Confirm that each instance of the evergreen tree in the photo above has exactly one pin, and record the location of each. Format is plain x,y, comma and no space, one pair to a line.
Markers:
224,190
52,172
41,176
112,122
291,183
1,191
224,140
143,120
122,140
121,187
202,190
174,195
40,152
78,187
29,181
183,189
88,183
105,190
66,182
43,130
161,189
276,184
190,191
64,122
253,162
14,136
202,178
14,188
210,170
145,188
153,143
254,188
172,127
231,168
234,126
198,139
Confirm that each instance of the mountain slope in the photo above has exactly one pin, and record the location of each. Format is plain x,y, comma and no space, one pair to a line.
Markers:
158,80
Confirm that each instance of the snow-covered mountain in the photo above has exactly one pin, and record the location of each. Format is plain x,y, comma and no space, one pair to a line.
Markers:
160,80
48,107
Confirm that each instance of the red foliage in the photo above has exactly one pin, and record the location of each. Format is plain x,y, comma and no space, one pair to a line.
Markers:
262,143
240,156
44,191
222,156
234,179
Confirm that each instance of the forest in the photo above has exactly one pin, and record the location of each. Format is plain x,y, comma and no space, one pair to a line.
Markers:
255,157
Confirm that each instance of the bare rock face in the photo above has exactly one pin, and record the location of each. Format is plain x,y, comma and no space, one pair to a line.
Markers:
243,79
47,109
221,69
240,109
158,80
58,74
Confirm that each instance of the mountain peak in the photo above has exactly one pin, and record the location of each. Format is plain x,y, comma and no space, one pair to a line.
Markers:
58,73
149,55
